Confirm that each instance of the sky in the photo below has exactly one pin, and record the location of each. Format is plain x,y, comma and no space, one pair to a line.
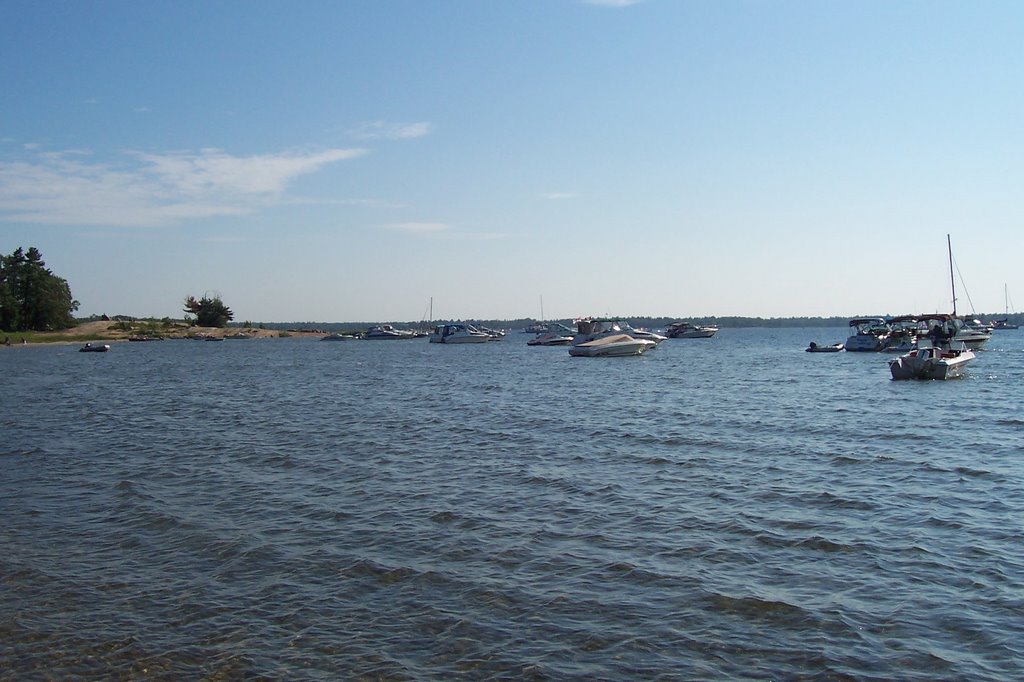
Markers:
394,160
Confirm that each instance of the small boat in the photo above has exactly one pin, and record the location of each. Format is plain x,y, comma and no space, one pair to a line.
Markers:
458,333
536,328
337,336
387,332
815,348
94,348
931,362
1005,323
610,346
687,330
495,334
556,335
869,335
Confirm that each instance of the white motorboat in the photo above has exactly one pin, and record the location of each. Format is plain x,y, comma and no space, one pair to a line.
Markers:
556,335
869,335
931,362
337,336
591,328
387,332
608,346
687,330
640,333
973,334
458,333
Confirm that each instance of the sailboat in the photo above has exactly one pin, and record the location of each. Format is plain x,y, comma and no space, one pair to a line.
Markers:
945,350
970,333
538,327
1005,322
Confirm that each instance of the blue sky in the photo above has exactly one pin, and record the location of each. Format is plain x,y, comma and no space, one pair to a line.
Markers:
349,161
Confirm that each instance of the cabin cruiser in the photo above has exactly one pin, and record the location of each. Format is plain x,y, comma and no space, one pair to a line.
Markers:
495,334
869,335
536,328
931,362
904,330
591,328
605,336
613,345
387,332
686,330
458,333
973,334
556,335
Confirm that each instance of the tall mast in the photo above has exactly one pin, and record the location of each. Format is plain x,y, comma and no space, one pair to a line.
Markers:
952,282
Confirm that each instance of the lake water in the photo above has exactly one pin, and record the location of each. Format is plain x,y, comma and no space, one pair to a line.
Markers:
291,509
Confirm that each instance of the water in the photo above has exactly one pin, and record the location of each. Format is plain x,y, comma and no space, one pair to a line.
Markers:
290,509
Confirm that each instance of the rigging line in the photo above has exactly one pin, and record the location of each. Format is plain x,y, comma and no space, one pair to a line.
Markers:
963,285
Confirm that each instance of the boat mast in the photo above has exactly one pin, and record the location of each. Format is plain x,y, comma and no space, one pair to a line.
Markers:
952,282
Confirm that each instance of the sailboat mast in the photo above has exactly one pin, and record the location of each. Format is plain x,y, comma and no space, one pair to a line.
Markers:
952,281
542,308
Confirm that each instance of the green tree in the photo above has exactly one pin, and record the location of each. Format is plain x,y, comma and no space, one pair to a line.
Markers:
209,312
31,296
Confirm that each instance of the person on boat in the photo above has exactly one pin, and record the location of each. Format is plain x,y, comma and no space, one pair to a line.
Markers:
813,345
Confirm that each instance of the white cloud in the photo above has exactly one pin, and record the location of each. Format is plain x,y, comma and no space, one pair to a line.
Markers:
384,130
148,189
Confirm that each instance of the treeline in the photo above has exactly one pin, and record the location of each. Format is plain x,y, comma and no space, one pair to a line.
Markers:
522,323
32,298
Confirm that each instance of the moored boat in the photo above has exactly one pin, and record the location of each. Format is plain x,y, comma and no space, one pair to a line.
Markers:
556,335
458,333
611,346
385,332
94,348
869,335
813,347
931,363
688,330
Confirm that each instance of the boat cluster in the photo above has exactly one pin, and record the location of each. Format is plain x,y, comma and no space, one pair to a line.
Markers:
931,346
604,337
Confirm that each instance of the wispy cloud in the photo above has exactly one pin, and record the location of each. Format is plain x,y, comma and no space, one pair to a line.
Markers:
384,130
417,228
147,189
444,231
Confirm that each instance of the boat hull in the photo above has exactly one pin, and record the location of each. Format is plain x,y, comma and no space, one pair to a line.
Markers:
930,364
611,346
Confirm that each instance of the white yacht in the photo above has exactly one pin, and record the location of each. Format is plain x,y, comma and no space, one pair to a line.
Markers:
602,336
868,335
614,345
458,333
387,332
687,330
556,335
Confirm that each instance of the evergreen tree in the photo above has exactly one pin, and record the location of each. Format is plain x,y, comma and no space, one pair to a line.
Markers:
209,312
31,296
